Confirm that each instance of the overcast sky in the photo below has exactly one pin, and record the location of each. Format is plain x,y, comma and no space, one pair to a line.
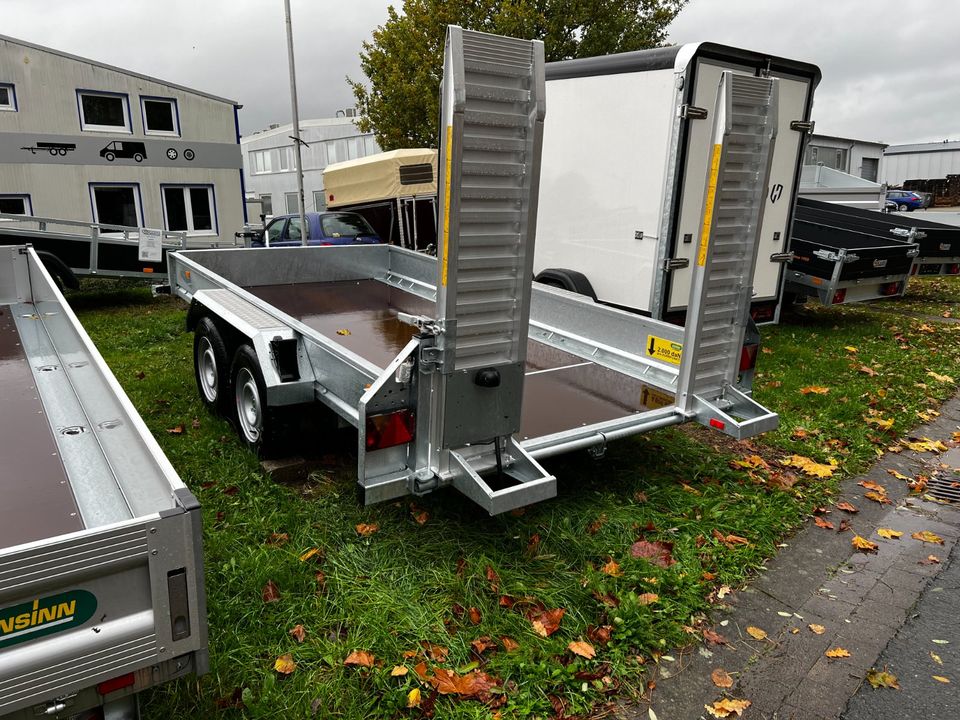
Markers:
890,68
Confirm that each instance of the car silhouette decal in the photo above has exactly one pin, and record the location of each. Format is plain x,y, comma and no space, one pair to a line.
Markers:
126,149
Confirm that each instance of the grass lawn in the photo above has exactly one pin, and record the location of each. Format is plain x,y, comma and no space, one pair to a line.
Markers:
440,583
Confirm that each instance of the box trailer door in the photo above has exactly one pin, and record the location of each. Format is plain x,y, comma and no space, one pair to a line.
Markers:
794,93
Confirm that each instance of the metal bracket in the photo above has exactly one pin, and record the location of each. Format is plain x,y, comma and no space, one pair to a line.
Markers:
913,252
692,112
911,234
804,126
827,255
422,323
782,257
675,264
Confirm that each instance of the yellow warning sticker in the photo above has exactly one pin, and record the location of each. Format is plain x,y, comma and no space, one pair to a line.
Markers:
446,206
662,349
655,399
708,206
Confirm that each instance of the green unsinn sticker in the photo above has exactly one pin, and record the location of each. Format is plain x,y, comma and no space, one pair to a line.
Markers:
662,349
45,616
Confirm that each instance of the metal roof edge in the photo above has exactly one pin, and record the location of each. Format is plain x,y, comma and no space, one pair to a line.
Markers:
88,61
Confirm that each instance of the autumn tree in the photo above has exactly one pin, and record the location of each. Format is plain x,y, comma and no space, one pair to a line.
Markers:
404,61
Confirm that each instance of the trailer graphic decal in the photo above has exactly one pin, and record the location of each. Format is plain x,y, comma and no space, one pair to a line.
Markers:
662,349
708,207
45,616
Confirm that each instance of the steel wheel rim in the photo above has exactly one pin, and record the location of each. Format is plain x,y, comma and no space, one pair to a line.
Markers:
207,362
248,406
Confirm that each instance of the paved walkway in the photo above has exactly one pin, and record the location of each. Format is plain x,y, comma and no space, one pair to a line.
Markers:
861,600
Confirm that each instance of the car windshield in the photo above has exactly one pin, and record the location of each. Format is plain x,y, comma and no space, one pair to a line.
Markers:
344,225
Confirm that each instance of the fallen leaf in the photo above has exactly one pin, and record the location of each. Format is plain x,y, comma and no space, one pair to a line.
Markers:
141,375
889,534
583,649
721,678
751,462
298,633
361,658
940,378
810,467
546,622
817,629
846,507
723,591
343,331
926,445
434,652
612,567
927,537
594,527
493,579
815,389
278,539
880,423
869,485
941,642
878,497
898,476
941,678
195,424
850,349
647,598
820,522
474,684
413,698
844,525
399,671
600,635
837,652
509,644
931,560
882,678
658,553
285,664
728,707
270,592
730,540
935,658
475,616
482,644
311,553
367,529
419,515
714,638
863,545
756,633
867,370
178,430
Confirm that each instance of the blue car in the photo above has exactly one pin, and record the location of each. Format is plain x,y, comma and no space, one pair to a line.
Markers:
327,228
905,200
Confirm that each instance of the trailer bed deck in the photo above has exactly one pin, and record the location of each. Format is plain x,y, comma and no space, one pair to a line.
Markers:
562,391
37,500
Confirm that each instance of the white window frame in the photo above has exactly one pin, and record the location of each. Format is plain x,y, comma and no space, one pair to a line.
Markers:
188,207
323,197
174,114
11,105
27,203
136,202
286,202
89,127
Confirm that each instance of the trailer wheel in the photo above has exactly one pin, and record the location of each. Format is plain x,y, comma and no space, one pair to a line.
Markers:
211,366
257,423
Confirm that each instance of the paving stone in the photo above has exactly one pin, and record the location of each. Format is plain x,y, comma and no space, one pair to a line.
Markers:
823,699
879,612
827,608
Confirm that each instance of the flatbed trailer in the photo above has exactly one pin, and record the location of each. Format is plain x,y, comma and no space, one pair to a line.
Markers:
457,370
101,571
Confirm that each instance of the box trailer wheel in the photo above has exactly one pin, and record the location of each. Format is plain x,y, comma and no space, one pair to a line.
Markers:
211,366
260,425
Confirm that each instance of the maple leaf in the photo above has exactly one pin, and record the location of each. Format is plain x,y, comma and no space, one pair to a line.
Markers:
399,671
482,644
872,486
751,462
810,467
657,553
878,497
728,707
474,684
600,635
889,534
862,544
270,592
882,678
583,649
815,389
509,644
367,529
298,633
612,567
846,507
879,422
475,616
927,537
647,598
926,445
360,658
311,553
817,629
546,622
419,514
756,633
820,522
837,652
941,378
714,638
437,653
721,678
285,664
493,579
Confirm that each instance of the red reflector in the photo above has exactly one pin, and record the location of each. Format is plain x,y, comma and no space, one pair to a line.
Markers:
953,269
148,270
890,288
117,683
718,424
839,296
748,357
390,429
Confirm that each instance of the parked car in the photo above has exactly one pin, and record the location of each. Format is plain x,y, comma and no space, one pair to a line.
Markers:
906,201
328,228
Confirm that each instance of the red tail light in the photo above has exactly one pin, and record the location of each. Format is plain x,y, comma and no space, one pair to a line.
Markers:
839,296
953,269
389,429
890,289
117,683
748,357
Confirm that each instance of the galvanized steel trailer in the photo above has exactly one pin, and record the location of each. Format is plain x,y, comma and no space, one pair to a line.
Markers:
101,572
458,370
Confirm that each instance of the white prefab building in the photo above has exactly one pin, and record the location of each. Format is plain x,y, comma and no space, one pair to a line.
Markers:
924,161
85,141
270,162
860,158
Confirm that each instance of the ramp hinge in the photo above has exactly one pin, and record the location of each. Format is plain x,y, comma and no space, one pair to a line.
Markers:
782,257
675,264
827,255
804,126
692,112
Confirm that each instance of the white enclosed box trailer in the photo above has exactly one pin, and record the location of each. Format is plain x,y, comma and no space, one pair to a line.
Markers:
626,158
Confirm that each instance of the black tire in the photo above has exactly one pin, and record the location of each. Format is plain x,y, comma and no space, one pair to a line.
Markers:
188,154
260,427
110,157
211,367
138,157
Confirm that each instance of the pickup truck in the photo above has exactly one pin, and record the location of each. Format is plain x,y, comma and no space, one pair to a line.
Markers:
327,228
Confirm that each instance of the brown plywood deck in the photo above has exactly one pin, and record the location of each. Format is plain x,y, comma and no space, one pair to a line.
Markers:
35,497
561,391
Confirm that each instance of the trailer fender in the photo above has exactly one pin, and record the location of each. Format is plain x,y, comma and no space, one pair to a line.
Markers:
58,268
567,280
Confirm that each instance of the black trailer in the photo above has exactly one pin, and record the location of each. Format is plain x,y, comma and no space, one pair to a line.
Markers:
54,148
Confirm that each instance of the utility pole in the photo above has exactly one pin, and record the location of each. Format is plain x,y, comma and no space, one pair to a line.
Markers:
297,142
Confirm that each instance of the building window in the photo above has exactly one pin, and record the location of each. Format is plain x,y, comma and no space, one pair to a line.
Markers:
190,208
15,205
319,200
160,116
266,204
8,97
271,161
292,205
103,111
116,204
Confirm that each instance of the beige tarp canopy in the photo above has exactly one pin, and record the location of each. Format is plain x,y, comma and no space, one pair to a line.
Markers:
398,173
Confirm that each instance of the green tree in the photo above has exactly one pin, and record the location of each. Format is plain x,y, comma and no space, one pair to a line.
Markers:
404,61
